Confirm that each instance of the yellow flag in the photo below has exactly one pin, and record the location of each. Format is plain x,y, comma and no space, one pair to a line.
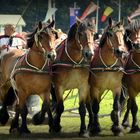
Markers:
106,13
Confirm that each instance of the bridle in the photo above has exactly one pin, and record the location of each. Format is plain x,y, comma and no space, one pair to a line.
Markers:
39,44
109,41
129,41
78,42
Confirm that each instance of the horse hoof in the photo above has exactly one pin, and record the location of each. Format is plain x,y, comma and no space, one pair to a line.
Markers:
95,131
117,130
24,130
120,134
38,119
57,129
135,130
14,131
84,134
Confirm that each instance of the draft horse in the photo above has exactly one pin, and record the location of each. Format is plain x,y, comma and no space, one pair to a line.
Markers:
106,73
131,78
71,69
31,74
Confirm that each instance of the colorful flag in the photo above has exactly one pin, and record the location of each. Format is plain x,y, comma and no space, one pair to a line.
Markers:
135,13
90,8
74,12
106,13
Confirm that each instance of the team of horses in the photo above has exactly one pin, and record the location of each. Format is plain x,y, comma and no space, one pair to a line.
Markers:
76,63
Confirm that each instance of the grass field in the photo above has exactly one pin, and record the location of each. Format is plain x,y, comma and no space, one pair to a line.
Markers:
71,124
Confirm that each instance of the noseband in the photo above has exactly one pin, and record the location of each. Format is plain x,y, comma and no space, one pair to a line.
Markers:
39,44
134,46
78,40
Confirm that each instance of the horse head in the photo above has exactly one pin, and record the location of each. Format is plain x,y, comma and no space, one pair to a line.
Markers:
115,37
132,34
84,37
43,40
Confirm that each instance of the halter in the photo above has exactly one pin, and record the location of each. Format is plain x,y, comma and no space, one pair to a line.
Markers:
78,40
38,43
133,44
110,44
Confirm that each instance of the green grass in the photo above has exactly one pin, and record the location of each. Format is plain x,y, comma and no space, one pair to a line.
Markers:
71,124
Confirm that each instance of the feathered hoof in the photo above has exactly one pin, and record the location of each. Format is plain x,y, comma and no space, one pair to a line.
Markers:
84,134
135,129
25,130
38,119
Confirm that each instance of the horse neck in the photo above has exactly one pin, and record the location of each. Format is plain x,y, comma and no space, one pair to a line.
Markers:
74,51
107,54
35,57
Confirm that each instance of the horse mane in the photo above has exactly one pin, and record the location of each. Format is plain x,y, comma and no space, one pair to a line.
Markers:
30,39
104,37
85,24
134,25
106,33
72,32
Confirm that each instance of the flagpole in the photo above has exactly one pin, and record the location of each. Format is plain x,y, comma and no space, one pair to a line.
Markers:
119,15
97,16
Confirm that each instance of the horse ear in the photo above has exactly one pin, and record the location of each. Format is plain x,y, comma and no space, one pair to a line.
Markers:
40,25
78,21
110,21
51,24
129,19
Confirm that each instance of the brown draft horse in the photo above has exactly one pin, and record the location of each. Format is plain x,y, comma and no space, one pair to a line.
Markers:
131,79
76,58
106,73
30,74
71,68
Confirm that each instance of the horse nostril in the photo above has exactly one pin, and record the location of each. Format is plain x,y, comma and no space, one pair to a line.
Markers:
88,54
49,56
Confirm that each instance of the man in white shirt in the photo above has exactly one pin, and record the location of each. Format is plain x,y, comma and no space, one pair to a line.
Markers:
10,40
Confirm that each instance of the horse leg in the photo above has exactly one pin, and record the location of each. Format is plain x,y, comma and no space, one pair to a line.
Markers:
89,109
115,115
58,112
82,112
125,122
15,122
23,128
95,129
39,117
134,110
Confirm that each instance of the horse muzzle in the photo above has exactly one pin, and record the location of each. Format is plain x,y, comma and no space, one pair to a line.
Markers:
118,53
88,55
51,56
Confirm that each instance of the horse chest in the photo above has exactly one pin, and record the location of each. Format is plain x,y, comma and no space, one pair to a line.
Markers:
73,78
108,80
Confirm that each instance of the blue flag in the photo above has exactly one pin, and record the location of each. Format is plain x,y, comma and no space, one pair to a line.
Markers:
73,13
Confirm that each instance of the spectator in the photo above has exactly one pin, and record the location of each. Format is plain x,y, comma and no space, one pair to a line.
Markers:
11,39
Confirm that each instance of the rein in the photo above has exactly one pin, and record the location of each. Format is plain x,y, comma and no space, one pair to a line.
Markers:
66,51
132,70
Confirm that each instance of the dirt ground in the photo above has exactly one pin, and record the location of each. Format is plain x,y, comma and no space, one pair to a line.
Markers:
41,132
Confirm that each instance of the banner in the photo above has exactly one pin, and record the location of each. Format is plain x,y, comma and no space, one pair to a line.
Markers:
90,8
135,13
106,13
74,12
